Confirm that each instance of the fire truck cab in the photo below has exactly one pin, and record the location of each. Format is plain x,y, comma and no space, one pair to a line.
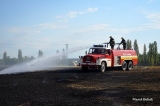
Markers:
101,57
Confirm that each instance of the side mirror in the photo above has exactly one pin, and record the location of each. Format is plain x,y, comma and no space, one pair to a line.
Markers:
86,52
81,57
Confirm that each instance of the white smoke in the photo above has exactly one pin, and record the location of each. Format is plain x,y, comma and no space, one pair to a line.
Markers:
42,63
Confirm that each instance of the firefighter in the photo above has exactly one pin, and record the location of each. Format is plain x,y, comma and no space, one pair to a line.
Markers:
111,42
123,42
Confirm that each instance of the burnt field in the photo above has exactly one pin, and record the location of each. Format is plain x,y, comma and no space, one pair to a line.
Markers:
70,87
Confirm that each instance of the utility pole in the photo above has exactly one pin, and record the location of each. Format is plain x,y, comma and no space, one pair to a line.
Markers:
67,54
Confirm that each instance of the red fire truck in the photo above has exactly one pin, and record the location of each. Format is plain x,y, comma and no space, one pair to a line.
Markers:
101,57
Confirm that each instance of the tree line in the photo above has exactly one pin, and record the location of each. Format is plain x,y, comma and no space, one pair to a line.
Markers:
147,58
6,60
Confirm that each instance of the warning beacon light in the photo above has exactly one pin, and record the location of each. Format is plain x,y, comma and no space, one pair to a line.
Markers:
98,46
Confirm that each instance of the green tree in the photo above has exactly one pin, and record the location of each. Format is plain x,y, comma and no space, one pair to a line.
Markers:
140,59
13,61
153,57
144,55
4,58
155,54
40,53
129,44
19,54
150,54
135,46
5,55
152,61
158,59
20,58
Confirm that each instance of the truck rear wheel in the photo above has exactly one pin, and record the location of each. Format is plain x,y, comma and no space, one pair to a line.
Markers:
84,68
130,66
124,65
102,68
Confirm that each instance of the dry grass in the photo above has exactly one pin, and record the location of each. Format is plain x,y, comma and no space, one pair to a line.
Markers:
74,87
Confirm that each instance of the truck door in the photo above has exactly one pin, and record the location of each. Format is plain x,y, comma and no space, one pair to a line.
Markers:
112,57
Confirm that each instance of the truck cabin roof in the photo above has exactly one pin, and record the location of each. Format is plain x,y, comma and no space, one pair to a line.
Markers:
104,46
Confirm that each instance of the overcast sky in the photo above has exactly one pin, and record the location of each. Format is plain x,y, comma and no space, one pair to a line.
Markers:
47,25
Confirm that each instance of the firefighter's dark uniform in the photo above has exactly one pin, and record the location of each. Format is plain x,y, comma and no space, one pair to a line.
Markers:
123,42
112,43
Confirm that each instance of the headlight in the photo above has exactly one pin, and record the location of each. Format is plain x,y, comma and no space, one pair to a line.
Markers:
97,60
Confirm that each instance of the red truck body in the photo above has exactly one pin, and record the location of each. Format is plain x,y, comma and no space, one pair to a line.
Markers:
105,57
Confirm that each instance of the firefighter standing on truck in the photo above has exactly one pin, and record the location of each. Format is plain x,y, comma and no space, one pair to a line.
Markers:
123,42
111,42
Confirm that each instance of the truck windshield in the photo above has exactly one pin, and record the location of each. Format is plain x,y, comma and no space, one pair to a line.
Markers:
97,51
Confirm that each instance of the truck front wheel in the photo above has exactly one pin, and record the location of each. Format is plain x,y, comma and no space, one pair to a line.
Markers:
124,65
102,68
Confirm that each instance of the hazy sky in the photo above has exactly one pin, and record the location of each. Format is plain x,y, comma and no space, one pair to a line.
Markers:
47,25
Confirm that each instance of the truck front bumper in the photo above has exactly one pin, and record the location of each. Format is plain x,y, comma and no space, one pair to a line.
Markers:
90,65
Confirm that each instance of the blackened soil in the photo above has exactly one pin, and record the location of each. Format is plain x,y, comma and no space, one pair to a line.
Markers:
77,88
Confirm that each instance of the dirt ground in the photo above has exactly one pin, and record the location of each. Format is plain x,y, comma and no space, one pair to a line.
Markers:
73,87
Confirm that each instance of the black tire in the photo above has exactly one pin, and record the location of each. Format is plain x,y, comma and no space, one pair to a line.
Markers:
84,68
130,66
102,68
124,66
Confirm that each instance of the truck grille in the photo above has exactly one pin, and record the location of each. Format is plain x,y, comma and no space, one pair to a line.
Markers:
88,59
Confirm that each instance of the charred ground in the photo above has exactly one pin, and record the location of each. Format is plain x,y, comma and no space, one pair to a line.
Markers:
74,87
